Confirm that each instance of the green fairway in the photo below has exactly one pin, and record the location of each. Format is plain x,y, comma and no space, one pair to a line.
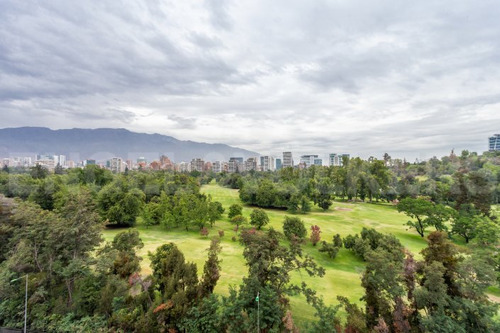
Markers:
342,274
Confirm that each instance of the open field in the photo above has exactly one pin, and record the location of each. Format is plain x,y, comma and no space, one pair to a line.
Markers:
343,273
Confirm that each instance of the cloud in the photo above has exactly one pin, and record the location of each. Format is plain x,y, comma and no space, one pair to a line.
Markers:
415,79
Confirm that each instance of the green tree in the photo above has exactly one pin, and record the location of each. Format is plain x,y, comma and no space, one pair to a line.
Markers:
234,210
330,249
215,211
465,222
39,172
293,227
120,204
337,241
177,283
259,218
322,194
425,212
238,220
383,282
211,270
126,243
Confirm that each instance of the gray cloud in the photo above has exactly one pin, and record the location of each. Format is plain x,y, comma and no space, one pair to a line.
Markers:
414,79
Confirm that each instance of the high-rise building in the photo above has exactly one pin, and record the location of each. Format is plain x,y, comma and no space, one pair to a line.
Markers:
495,142
116,165
251,164
308,160
287,159
62,160
197,164
338,159
267,163
278,164
184,167
232,166
217,166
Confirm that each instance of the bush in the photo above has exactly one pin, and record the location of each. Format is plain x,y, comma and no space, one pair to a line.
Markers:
294,227
337,240
204,232
330,249
349,241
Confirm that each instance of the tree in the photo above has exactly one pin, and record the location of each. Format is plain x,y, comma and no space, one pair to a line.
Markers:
238,220
330,249
211,270
355,316
119,203
205,317
383,282
337,241
322,193
177,283
315,235
58,169
126,243
465,222
425,212
270,265
293,227
234,210
39,172
474,188
487,232
259,218
452,289
79,236
215,211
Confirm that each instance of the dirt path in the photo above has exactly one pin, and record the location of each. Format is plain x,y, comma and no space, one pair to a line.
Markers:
494,298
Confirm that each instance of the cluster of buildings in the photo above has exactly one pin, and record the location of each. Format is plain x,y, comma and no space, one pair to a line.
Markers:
48,161
235,164
240,164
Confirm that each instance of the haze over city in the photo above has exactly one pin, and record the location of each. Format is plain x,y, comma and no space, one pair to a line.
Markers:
412,79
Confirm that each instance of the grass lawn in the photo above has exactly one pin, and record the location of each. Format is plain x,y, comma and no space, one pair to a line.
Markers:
342,274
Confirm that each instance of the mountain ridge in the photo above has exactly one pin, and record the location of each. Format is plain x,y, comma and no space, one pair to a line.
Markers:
104,143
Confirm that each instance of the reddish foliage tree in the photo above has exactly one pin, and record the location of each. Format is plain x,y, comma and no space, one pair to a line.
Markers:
204,232
315,235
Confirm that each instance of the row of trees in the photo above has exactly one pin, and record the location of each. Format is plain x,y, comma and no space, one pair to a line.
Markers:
451,181
466,219
170,199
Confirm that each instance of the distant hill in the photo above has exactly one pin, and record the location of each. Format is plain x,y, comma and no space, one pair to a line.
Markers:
104,143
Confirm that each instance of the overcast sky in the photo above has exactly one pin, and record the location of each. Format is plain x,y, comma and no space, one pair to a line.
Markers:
411,78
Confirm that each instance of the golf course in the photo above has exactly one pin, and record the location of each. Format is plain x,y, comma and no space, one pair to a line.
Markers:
342,273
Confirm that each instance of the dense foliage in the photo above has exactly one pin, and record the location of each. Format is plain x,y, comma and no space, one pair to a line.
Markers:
51,236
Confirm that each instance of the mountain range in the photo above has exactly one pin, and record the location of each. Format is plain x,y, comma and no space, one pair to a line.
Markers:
104,143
